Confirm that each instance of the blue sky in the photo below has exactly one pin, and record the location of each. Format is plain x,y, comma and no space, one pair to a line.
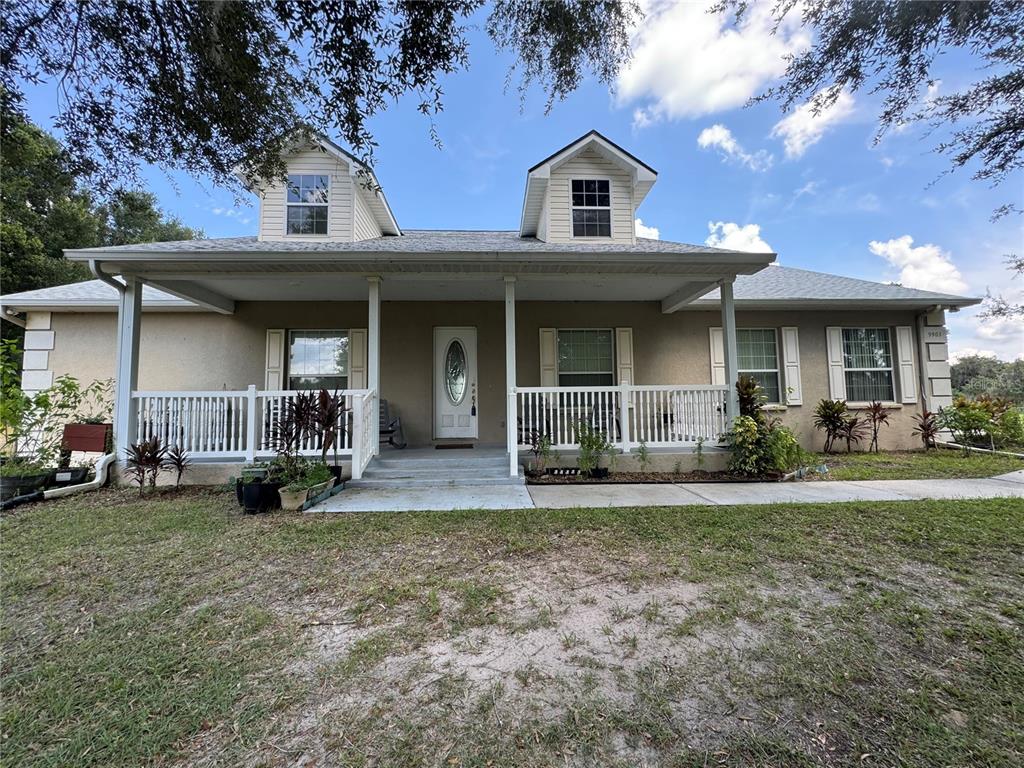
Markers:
814,189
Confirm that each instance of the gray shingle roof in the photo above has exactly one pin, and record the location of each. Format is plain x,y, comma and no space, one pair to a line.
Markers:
88,293
788,285
411,241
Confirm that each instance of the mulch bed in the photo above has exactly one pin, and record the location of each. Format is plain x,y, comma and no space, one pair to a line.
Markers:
696,476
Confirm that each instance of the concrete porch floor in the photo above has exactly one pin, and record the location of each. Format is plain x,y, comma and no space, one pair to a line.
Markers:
710,494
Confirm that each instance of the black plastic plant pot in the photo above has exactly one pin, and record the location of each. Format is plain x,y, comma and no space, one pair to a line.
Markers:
19,485
72,476
259,497
599,473
336,471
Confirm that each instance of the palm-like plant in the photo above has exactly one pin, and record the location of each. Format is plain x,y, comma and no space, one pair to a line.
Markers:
751,398
877,417
926,427
325,420
853,431
178,460
830,417
145,460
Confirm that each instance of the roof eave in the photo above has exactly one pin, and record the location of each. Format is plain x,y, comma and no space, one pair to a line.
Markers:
957,302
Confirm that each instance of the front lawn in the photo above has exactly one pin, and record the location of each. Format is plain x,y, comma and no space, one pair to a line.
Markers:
915,465
173,631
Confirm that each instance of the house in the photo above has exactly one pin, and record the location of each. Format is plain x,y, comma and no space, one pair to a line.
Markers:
476,337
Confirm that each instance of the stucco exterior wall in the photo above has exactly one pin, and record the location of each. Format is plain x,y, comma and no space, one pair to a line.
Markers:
208,351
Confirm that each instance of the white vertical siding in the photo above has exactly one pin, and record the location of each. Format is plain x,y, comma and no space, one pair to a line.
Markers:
589,165
364,225
273,200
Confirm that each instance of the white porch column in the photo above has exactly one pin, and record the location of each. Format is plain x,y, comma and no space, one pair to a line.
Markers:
510,375
730,350
129,317
373,355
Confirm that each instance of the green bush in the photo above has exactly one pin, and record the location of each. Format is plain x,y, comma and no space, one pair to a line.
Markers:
761,448
1009,429
593,444
970,422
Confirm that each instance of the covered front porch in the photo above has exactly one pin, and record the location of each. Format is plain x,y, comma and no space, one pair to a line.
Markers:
499,390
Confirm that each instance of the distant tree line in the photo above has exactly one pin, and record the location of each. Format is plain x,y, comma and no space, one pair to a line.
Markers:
45,208
976,375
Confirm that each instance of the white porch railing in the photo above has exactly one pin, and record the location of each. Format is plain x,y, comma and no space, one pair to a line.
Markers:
240,424
658,416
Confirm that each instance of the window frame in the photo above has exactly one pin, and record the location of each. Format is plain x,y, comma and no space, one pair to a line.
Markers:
890,369
609,207
326,206
777,370
287,377
615,368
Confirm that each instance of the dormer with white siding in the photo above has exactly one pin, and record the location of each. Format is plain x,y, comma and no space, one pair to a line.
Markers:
329,196
587,192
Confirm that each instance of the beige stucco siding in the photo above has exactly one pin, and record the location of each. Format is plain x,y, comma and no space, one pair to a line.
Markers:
207,351
589,165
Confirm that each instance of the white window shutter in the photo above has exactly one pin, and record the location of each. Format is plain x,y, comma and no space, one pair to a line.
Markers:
624,356
791,365
717,356
905,356
836,377
548,357
275,359
357,358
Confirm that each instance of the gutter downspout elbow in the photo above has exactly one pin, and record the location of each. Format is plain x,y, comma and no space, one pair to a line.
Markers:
96,267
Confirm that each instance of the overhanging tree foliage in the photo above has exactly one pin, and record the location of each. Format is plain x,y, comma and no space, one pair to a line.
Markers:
205,86
45,209
891,47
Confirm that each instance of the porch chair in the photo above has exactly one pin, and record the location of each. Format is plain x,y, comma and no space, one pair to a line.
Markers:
390,428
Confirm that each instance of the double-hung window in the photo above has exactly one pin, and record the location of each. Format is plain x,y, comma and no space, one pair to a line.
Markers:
591,208
318,359
308,196
586,357
867,365
758,358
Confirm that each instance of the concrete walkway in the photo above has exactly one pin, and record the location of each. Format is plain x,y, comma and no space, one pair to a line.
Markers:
663,495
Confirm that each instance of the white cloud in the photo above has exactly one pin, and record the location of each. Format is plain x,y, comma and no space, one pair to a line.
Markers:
688,62
721,138
642,230
927,266
733,237
804,128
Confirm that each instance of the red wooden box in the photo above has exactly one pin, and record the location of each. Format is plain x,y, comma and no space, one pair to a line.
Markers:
86,437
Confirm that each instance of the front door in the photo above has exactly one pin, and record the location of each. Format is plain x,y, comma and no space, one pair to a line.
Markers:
455,387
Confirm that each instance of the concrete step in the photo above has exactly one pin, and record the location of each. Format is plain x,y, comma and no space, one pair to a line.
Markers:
413,473
435,482
441,463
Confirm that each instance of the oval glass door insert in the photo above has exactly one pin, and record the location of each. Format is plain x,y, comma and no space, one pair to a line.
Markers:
455,372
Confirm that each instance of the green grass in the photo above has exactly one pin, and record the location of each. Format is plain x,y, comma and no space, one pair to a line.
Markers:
174,631
916,465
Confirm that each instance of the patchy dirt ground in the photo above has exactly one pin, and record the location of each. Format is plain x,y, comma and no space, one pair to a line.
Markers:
173,631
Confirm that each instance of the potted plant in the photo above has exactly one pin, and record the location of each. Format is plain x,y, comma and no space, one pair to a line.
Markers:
310,480
20,475
326,417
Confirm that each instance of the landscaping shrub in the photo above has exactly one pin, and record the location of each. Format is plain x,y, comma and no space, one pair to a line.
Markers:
751,398
761,448
970,422
926,427
877,417
830,417
593,444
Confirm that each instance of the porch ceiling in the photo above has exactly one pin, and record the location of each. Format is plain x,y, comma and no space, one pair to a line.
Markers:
217,282
440,287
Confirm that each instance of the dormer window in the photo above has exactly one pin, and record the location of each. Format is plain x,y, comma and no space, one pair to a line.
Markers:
307,204
591,208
